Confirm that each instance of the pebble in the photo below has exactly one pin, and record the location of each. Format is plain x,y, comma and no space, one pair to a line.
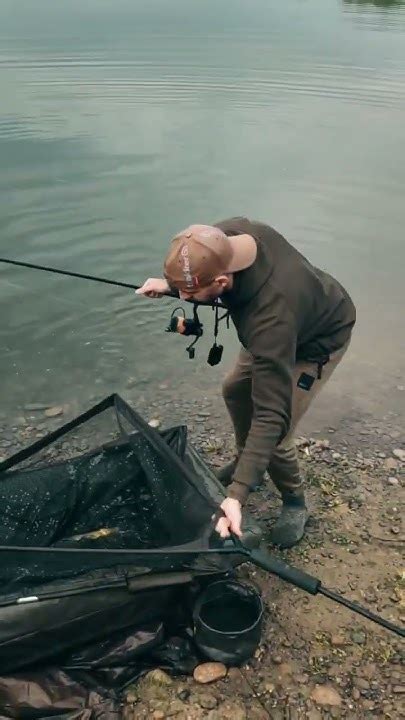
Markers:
356,694
391,464
301,678
284,669
20,422
207,701
359,637
209,672
326,695
336,456
232,711
398,689
175,708
158,715
158,677
400,454
338,640
183,694
314,714
54,411
277,659
258,713
393,481
362,684
269,687
302,442
131,697
322,444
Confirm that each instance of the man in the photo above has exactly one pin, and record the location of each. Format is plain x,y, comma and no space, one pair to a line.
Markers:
294,323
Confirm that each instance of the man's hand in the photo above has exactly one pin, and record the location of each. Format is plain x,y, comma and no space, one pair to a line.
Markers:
232,520
153,288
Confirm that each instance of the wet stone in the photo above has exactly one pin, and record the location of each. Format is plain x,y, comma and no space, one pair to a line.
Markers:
55,411
209,672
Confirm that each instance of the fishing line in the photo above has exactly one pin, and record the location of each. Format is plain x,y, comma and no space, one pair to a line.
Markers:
181,325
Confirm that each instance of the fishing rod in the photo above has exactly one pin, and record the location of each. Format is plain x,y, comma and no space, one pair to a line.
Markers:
82,276
260,558
177,324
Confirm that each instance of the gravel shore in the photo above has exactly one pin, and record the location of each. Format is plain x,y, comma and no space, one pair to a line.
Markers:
316,659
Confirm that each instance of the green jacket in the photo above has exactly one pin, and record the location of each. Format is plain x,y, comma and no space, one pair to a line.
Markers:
284,309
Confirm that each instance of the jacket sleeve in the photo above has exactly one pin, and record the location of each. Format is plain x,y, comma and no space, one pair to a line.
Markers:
273,346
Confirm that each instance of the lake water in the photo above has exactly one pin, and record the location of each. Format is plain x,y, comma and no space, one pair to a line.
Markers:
121,121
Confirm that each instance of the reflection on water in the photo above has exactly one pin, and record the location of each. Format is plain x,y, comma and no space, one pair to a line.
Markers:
376,3
121,123
377,14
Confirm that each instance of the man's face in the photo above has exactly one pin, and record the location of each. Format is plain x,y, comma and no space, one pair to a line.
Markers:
211,292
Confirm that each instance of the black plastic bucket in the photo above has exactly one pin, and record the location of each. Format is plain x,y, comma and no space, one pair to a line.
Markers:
228,622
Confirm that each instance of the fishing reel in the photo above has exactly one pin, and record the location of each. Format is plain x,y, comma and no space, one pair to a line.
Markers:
186,326
193,327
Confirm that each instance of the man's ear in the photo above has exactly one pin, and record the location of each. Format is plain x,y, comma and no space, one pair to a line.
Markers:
223,281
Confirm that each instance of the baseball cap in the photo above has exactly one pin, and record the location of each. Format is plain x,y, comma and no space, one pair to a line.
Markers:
200,253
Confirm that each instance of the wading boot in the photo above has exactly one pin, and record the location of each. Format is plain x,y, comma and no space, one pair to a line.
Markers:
225,474
290,526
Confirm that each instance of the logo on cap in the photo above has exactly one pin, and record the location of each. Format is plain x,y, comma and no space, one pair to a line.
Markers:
190,280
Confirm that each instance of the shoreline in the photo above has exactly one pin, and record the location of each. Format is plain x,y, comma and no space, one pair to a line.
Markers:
316,660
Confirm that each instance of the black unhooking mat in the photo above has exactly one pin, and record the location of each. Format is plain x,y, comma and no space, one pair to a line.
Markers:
103,524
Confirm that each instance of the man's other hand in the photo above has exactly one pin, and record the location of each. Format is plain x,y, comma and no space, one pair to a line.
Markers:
232,520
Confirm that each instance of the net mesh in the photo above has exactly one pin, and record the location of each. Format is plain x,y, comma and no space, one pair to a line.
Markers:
108,482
